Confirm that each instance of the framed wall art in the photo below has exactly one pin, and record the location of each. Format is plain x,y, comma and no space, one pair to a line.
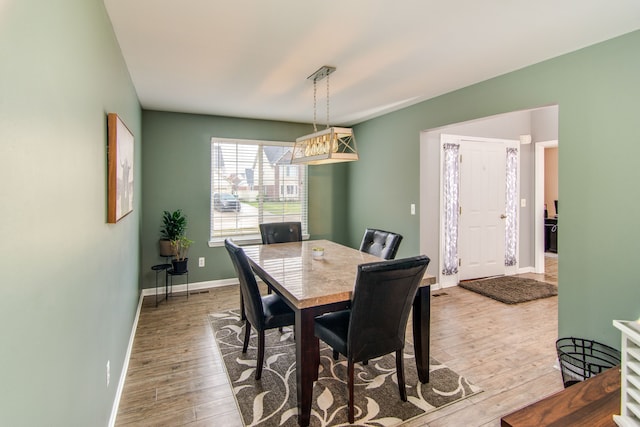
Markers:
120,169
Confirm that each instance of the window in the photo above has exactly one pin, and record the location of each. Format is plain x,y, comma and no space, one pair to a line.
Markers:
253,182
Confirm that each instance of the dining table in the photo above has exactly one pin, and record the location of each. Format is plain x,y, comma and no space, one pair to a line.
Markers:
313,285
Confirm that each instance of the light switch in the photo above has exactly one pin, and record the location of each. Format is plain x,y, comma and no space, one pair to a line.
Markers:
523,203
413,209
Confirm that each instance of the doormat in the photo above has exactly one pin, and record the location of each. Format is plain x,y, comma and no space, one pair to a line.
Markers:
272,400
511,289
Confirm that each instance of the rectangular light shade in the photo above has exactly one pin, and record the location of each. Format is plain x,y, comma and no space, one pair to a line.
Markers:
331,145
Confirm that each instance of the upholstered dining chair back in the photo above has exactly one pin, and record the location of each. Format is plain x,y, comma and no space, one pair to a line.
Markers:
382,298
376,322
248,284
380,243
280,232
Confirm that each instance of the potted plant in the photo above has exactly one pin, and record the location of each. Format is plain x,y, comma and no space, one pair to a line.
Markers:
180,248
174,225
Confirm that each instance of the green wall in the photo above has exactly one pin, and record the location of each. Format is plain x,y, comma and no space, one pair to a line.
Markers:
597,89
70,280
177,174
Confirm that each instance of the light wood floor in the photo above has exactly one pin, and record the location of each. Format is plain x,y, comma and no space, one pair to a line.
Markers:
176,376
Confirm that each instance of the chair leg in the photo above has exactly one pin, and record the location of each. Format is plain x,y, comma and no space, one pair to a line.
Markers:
242,315
247,334
260,354
350,385
365,362
336,355
400,373
316,373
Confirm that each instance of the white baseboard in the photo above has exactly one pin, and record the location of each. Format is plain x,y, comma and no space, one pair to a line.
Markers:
125,366
450,284
195,286
438,286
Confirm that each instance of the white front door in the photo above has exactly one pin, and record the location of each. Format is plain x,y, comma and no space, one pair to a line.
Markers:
481,240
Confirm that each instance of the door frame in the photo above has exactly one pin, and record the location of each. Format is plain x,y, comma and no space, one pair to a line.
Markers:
539,203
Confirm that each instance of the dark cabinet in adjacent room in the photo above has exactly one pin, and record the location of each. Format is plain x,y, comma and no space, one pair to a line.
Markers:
551,235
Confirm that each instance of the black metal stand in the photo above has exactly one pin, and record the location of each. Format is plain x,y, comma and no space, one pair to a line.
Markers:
171,273
158,268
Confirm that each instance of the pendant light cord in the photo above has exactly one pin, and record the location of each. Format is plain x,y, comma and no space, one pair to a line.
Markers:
328,100
315,128
319,75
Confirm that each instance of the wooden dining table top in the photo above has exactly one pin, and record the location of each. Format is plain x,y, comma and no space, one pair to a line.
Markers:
308,281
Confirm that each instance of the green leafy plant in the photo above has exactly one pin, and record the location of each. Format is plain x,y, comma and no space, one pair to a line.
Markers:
181,247
174,225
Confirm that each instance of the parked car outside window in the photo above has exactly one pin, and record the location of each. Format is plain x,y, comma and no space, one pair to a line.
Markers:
225,202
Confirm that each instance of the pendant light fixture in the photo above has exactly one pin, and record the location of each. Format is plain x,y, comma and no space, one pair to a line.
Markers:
331,145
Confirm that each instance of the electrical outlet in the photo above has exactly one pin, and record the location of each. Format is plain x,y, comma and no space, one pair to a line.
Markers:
413,209
523,203
108,372
201,261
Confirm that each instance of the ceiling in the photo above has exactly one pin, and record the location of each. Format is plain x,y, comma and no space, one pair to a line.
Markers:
251,58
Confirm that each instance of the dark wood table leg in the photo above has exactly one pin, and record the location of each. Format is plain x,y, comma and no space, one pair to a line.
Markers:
422,331
307,354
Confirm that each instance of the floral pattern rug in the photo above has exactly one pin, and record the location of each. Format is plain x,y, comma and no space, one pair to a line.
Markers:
271,401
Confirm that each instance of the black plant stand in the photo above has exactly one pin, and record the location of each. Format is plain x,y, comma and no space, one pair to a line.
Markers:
158,268
171,272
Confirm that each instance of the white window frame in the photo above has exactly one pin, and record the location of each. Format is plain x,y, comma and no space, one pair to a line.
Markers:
254,191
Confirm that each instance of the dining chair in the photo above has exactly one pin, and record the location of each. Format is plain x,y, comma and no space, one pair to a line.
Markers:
383,244
376,322
262,312
380,243
280,232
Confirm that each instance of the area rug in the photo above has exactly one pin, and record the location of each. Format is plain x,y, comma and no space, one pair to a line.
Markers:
511,289
271,401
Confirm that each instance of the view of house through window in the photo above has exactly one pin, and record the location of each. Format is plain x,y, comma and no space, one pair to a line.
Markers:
253,182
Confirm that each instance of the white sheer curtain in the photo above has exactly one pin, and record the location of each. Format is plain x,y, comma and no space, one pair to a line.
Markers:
451,185
511,207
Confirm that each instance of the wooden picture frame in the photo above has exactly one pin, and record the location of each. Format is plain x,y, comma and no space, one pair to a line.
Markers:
120,152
